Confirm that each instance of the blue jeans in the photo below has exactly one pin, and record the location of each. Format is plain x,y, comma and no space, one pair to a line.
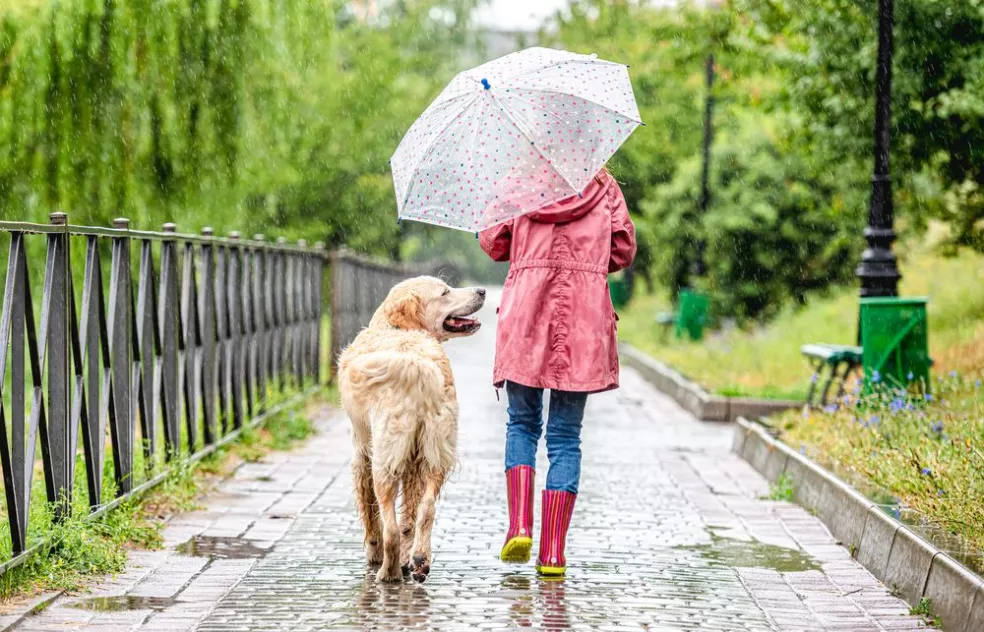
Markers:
563,433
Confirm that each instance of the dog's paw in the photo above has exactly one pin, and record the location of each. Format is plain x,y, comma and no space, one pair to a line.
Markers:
374,553
420,568
389,575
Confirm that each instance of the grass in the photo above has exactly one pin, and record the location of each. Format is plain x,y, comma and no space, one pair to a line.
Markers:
925,609
764,361
78,549
927,455
781,489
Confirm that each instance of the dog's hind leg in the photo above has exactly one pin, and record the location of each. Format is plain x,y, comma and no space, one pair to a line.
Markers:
387,487
412,488
420,566
365,501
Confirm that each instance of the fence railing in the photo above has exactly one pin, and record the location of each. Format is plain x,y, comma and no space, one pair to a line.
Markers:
215,326
359,285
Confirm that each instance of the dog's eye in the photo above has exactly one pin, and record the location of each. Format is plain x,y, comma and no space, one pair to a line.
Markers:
446,291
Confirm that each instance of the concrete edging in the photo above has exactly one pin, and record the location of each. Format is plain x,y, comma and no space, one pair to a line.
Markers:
887,548
695,399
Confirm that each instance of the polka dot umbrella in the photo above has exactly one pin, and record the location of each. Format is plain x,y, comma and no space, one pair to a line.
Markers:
511,136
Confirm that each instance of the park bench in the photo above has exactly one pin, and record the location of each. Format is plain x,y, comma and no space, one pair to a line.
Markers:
690,316
840,360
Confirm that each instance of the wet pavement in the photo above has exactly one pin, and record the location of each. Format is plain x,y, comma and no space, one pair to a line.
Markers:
670,532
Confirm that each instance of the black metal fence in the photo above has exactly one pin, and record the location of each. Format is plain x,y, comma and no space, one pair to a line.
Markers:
359,284
217,326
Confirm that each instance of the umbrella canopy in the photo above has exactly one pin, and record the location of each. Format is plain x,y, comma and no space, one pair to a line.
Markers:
511,136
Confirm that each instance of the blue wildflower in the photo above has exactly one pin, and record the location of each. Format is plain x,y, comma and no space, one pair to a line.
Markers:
940,493
977,383
875,376
937,427
910,376
953,374
928,397
897,404
814,378
830,408
926,471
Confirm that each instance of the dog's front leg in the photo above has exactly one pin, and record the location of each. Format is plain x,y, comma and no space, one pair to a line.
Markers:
420,566
386,490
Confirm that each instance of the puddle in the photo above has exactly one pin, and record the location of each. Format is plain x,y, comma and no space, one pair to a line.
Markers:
220,548
753,554
119,604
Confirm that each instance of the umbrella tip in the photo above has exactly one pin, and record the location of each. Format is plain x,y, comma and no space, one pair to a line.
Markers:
486,84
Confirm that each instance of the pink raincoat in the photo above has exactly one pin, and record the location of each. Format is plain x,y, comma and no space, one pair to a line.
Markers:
556,321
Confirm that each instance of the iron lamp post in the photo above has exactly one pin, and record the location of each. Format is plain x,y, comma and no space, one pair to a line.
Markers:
878,271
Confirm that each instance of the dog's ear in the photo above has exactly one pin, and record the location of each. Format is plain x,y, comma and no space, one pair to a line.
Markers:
405,310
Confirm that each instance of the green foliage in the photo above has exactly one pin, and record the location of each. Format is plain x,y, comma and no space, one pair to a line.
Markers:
924,456
826,49
782,489
777,230
793,121
925,609
234,113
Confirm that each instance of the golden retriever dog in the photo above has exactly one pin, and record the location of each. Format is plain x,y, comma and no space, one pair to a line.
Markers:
398,390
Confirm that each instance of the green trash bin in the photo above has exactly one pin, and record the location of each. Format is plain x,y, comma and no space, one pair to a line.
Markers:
894,337
692,316
618,288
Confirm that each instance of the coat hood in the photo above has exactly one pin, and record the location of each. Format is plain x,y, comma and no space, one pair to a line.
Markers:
575,206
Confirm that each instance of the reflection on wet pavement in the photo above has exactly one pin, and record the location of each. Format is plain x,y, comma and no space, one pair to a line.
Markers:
226,548
125,602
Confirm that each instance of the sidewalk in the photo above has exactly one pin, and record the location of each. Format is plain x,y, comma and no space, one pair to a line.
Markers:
670,533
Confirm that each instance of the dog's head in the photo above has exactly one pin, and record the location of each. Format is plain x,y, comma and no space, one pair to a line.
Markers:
429,304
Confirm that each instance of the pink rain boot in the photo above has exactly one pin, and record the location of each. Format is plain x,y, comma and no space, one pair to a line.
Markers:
556,508
519,491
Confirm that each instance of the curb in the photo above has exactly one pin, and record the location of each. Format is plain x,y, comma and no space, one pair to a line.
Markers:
695,399
886,547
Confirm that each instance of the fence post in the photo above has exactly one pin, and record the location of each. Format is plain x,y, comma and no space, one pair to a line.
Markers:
170,327
280,312
57,449
121,415
234,326
98,365
319,282
208,316
260,315
299,311
147,346
190,342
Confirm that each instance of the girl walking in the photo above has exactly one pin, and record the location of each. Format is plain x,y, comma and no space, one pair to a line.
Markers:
556,331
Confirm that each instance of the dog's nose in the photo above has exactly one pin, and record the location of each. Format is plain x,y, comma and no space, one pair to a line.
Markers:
480,291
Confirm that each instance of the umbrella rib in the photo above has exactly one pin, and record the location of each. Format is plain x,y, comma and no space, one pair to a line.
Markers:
569,94
600,62
437,138
509,115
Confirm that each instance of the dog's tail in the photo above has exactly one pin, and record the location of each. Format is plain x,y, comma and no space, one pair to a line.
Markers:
417,377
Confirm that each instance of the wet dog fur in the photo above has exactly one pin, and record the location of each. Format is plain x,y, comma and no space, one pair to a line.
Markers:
398,390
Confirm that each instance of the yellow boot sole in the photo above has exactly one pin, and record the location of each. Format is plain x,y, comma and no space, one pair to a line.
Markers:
551,571
517,550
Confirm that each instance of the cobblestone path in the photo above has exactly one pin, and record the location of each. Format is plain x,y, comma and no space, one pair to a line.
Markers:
670,532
